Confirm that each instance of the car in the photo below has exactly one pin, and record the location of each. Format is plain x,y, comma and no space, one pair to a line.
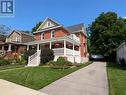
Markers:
96,57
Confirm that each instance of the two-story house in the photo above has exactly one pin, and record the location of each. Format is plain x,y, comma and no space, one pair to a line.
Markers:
69,42
14,43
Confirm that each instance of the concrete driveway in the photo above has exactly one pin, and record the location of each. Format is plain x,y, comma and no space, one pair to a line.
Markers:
91,80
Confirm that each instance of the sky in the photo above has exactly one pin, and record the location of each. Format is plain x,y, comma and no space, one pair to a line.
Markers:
66,12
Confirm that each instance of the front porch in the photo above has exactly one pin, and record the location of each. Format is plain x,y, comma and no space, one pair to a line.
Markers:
11,49
64,46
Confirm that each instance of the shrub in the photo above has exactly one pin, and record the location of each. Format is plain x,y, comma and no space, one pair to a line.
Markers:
61,63
46,55
4,62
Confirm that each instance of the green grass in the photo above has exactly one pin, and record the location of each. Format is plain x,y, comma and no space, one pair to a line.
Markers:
5,67
117,79
37,77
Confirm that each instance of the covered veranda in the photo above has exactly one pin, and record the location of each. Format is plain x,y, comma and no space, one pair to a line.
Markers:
63,46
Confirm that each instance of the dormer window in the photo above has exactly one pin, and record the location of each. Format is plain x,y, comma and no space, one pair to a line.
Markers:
42,36
52,33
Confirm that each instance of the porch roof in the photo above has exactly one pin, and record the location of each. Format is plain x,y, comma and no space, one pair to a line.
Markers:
53,40
6,43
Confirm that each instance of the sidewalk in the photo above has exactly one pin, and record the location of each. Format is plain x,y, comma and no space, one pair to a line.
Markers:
91,80
8,88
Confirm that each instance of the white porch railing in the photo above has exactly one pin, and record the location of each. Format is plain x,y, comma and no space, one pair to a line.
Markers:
34,60
58,51
76,53
69,52
74,37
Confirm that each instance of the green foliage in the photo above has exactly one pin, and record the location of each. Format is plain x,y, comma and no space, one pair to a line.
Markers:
116,79
61,63
36,26
46,55
4,62
108,31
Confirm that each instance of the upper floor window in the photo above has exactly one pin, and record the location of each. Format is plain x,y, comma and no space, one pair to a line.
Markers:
52,33
42,36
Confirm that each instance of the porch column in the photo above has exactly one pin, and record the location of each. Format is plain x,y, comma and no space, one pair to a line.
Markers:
27,47
73,54
50,45
37,46
9,47
64,47
73,49
2,47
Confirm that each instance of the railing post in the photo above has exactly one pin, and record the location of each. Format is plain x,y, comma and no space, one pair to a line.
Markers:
27,47
64,47
73,54
37,47
50,45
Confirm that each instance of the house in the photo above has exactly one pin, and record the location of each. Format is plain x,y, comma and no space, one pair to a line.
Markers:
14,43
69,42
121,53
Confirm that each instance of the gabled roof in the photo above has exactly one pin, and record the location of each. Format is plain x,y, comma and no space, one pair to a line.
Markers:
71,29
76,28
53,24
20,32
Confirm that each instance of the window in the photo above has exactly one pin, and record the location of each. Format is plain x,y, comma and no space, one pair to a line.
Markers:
42,36
16,39
53,34
48,23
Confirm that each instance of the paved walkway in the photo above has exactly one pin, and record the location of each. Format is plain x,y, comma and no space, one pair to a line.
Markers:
9,88
91,80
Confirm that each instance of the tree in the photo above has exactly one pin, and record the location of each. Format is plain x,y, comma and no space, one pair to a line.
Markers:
3,32
108,31
36,26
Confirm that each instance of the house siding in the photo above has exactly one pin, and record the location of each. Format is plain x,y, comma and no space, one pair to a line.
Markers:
13,37
26,38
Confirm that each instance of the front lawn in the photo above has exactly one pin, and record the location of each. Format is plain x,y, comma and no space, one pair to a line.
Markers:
5,67
37,77
117,79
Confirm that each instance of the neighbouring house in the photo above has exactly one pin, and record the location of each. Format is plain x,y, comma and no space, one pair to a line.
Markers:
69,42
121,53
14,43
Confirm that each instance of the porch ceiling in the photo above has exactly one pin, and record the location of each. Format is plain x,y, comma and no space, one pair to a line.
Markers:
68,39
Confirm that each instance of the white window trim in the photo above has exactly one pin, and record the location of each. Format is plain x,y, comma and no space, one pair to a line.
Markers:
52,34
42,36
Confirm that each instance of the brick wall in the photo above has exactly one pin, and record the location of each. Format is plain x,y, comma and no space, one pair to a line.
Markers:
47,34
